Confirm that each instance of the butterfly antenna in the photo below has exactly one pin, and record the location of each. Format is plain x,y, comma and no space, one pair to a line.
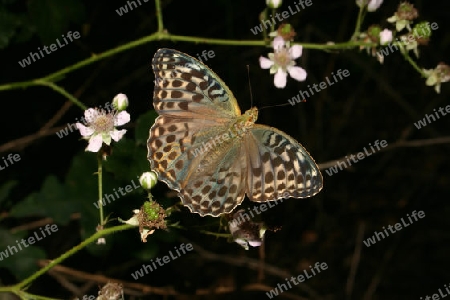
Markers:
284,104
250,86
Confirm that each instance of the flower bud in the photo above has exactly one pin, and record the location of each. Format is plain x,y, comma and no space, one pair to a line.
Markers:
274,3
120,102
385,37
148,180
372,5
373,32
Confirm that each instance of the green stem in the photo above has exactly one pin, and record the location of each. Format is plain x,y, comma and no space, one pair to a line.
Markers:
362,9
413,63
25,295
97,57
62,91
159,16
17,289
202,40
100,186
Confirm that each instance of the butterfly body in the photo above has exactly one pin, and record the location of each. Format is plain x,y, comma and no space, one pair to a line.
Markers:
204,148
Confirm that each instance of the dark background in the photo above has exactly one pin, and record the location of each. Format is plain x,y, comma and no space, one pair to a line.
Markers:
374,102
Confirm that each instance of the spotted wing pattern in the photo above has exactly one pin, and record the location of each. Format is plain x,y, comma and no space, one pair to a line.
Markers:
279,167
213,174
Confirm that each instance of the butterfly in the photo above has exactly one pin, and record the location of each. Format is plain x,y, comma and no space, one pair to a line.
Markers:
204,148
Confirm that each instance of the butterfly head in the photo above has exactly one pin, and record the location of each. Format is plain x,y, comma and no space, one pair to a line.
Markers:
251,116
244,122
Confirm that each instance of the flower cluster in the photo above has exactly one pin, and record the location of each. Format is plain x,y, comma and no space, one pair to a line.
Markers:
403,17
416,35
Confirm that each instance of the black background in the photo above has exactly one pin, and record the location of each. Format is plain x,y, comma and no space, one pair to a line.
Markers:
375,102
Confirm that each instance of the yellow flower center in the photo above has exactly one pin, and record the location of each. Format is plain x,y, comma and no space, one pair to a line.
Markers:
282,57
104,123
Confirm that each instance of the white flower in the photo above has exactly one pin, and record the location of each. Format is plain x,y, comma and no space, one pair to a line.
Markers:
385,37
101,127
282,62
437,76
120,102
274,3
400,24
372,5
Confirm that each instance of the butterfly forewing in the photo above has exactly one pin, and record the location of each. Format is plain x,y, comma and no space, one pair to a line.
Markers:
186,88
212,176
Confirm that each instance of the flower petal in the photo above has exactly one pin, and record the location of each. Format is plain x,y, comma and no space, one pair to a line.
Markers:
95,143
280,79
295,51
297,73
278,43
90,114
121,118
116,135
255,243
265,63
84,131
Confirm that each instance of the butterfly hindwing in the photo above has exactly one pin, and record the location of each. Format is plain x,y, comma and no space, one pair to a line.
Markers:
279,167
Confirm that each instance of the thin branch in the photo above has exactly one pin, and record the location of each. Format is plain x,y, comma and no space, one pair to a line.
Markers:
355,261
254,265
398,144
